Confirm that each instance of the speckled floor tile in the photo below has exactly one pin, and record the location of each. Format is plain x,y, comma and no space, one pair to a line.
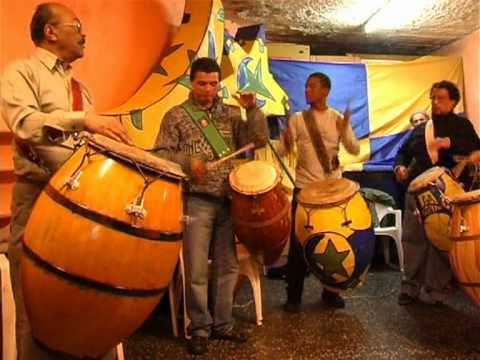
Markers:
372,326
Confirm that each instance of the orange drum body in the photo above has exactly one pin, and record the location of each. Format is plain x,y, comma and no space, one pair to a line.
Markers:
432,190
334,225
260,209
465,235
100,247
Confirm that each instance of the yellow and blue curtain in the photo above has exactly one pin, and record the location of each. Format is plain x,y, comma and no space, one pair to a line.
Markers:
382,97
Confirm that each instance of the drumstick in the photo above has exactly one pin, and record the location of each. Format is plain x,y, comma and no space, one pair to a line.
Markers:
214,164
280,161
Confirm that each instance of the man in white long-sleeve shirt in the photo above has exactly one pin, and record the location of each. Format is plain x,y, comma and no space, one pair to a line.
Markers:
317,132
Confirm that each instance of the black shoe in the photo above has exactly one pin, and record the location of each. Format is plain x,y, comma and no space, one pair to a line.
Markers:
232,335
332,299
439,304
277,273
405,299
197,345
291,307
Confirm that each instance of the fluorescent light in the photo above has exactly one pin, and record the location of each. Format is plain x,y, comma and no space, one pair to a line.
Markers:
347,13
397,14
355,12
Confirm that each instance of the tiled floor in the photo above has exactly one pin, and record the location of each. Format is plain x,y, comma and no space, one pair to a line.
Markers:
372,326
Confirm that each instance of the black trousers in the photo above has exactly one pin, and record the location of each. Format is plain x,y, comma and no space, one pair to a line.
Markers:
296,266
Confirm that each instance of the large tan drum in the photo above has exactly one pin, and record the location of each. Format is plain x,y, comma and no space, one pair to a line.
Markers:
101,246
432,190
334,225
260,209
465,235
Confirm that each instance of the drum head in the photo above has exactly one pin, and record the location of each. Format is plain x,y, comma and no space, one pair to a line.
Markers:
470,197
136,156
254,177
425,178
328,192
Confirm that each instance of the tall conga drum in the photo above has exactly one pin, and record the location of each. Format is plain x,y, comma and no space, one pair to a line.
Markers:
100,247
260,209
334,225
465,236
432,189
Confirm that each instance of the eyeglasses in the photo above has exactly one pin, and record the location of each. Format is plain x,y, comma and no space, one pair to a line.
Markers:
75,25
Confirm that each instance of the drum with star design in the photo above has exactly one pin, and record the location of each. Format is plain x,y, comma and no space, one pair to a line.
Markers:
334,225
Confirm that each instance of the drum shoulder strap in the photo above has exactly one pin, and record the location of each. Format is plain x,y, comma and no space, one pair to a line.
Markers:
204,123
316,140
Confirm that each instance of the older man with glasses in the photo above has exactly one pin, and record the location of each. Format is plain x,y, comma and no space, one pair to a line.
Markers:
43,105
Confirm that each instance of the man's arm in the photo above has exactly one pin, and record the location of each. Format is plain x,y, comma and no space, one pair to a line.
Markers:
347,136
403,160
23,114
288,137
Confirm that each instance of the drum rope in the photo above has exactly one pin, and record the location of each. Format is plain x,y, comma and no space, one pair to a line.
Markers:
76,172
475,170
445,201
146,181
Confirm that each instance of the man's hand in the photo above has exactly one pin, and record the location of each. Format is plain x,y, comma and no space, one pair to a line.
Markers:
287,139
441,143
401,173
347,114
106,125
198,168
247,100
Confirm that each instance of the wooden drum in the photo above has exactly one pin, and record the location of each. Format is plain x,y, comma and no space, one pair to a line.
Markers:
260,209
465,236
100,247
334,225
432,190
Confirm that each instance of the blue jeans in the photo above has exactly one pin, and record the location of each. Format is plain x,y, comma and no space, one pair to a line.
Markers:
209,230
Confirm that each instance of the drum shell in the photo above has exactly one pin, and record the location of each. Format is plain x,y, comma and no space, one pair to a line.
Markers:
435,209
349,226
262,222
465,250
90,273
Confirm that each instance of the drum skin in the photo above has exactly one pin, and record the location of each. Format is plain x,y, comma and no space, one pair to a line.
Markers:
465,236
338,238
91,273
431,190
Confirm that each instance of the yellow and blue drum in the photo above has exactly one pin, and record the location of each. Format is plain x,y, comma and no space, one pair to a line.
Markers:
432,190
334,226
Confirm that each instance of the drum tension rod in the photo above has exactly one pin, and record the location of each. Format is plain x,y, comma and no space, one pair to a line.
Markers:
73,182
136,208
308,226
463,225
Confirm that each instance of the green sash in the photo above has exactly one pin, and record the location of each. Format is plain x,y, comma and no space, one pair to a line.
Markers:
201,118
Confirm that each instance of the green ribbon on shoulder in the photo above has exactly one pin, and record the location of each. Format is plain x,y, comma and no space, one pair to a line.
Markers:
202,120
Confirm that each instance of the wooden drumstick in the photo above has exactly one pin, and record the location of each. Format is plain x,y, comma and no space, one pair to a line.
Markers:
214,164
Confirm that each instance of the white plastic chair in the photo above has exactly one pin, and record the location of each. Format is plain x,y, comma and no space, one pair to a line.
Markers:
176,289
394,232
249,269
